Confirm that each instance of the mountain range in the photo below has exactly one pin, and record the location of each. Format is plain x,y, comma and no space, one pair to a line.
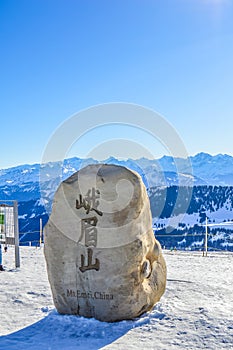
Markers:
201,169
204,179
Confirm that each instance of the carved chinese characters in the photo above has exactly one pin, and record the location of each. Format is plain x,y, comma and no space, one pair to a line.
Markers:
90,201
102,258
88,227
89,230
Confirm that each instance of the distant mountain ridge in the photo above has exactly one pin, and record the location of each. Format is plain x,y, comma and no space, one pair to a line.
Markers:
201,169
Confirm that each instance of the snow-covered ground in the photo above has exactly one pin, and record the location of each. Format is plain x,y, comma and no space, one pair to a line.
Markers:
196,311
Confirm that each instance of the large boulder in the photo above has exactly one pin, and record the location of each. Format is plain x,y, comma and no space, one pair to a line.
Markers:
103,260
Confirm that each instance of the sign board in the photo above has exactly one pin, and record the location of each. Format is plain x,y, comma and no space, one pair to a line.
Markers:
9,232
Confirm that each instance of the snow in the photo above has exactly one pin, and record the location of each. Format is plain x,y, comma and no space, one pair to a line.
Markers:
190,220
40,202
22,216
196,312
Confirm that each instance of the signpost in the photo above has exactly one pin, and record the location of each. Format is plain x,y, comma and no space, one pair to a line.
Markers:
9,228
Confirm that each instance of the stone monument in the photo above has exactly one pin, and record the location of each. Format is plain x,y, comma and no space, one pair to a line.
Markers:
103,260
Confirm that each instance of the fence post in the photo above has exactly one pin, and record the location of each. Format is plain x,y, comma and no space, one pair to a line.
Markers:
206,238
41,232
16,234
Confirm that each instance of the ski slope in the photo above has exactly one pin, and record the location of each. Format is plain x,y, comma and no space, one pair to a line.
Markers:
196,312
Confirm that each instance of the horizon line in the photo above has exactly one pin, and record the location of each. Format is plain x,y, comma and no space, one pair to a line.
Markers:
115,158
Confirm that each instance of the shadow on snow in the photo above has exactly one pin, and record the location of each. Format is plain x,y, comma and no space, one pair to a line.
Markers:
57,332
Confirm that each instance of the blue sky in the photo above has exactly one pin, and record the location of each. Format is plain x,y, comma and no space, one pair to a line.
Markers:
60,57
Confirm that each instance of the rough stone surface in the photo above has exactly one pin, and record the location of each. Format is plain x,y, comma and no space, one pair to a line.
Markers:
103,260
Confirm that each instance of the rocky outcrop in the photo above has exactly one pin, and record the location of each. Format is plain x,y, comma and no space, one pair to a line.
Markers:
103,260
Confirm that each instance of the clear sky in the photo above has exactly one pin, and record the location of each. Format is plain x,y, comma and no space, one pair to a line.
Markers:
61,56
